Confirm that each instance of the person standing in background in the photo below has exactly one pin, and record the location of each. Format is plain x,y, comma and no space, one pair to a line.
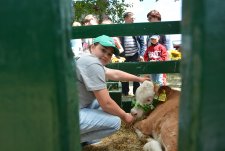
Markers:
76,44
155,16
116,39
88,21
156,52
134,49
165,40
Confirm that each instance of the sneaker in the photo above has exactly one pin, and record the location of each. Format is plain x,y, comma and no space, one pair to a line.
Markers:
94,142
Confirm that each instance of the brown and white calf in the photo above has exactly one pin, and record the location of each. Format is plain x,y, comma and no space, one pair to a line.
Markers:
161,125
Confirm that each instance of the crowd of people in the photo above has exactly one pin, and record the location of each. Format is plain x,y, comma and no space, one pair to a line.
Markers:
100,116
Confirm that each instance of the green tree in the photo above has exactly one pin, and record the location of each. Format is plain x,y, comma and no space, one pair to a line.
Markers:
112,8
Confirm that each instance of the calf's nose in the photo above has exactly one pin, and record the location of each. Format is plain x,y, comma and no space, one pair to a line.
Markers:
133,113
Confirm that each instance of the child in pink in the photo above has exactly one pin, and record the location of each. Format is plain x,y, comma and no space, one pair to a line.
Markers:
156,52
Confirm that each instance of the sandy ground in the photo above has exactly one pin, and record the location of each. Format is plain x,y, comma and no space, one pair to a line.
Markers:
126,139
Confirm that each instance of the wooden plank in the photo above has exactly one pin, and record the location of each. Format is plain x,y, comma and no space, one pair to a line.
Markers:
38,104
147,67
172,27
202,105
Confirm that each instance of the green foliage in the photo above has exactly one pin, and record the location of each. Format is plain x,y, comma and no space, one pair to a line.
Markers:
112,8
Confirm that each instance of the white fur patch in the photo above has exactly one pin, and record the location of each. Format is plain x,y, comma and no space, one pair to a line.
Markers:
152,145
144,91
139,133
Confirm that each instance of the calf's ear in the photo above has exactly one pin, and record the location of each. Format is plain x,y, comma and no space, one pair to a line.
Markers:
156,87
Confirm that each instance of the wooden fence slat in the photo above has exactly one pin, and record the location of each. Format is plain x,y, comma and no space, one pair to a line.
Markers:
38,99
147,67
171,27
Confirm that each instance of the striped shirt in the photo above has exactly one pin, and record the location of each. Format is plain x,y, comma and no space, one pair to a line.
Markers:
130,46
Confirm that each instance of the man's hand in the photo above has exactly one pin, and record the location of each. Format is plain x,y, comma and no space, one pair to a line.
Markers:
141,59
142,79
128,118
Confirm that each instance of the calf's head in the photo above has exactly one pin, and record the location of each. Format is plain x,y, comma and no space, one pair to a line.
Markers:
144,96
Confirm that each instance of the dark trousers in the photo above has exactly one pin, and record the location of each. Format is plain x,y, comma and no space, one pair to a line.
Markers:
125,85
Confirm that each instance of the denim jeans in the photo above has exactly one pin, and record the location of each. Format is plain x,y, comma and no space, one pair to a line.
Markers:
158,78
96,124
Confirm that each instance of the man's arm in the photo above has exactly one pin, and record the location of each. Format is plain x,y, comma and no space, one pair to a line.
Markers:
110,106
118,75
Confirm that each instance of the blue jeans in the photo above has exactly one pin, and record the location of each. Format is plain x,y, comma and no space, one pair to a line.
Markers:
96,124
158,78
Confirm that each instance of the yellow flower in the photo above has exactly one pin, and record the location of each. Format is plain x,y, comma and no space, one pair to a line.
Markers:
115,59
174,54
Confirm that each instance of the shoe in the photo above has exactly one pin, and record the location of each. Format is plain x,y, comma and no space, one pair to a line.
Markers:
130,95
94,142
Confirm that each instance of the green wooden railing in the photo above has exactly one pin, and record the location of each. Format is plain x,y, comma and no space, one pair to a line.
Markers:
38,99
172,27
147,67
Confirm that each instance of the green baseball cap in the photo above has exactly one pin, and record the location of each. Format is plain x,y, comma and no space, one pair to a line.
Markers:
107,41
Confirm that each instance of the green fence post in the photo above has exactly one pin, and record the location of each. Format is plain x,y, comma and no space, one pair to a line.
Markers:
38,99
202,111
